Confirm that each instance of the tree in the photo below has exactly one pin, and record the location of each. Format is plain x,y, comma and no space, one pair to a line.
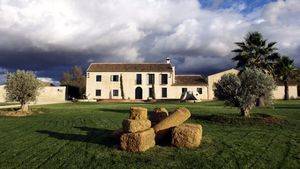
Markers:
74,78
255,52
227,88
122,87
243,90
22,86
284,70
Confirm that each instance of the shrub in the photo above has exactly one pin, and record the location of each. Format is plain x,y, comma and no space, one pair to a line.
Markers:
227,89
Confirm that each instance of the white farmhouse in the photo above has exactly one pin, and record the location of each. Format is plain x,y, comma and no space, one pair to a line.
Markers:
106,80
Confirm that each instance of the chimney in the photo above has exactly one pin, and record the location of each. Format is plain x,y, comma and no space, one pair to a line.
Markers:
168,60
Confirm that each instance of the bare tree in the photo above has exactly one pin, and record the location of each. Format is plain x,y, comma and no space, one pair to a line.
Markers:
74,78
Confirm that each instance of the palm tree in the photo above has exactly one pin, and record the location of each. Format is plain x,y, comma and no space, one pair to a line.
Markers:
284,71
255,52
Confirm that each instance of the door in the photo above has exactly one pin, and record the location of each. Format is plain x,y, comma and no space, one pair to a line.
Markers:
138,93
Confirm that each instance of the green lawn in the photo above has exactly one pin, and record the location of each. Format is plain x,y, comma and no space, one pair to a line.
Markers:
78,136
8,104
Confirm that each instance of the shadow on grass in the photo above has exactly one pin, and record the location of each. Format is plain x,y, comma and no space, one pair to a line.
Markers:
123,111
96,136
232,119
288,107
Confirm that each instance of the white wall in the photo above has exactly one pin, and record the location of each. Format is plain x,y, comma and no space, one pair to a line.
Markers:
176,91
129,86
2,93
279,92
52,94
48,94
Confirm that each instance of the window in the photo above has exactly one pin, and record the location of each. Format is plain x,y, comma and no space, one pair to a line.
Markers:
115,92
164,92
199,90
164,79
151,79
151,92
183,90
138,78
115,78
98,78
98,92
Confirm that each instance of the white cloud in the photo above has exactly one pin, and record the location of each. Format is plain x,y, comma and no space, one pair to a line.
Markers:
48,80
3,73
120,30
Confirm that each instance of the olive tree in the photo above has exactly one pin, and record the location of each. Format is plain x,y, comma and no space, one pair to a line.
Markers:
22,86
242,91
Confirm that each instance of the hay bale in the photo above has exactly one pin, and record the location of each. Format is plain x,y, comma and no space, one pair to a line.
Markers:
158,115
138,142
132,126
178,117
187,135
138,113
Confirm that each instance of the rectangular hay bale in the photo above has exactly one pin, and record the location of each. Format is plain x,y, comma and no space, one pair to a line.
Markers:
138,142
187,135
138,113
132,126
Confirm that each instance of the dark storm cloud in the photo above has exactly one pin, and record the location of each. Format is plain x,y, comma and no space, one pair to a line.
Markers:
51,36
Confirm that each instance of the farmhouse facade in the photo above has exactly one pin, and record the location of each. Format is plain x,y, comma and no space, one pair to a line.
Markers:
138,81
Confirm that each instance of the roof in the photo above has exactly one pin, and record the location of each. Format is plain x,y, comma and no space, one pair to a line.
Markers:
232,70
130,67
190,80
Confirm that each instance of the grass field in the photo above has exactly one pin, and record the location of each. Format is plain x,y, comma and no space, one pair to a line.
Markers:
8,104
78,136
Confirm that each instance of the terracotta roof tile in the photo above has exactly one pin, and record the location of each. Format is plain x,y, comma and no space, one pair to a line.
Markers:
128,67
190,80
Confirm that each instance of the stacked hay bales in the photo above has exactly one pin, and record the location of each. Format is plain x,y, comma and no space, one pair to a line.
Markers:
137,134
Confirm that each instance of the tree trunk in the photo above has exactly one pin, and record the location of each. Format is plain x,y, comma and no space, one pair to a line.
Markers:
24,107
245,112
286,90
261,101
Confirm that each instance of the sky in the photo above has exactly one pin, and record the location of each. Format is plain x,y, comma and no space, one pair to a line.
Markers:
49,37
